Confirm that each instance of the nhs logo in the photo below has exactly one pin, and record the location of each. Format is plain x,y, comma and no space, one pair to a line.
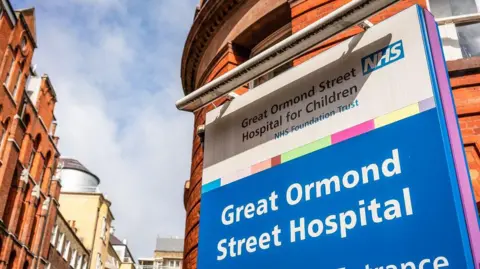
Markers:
383,57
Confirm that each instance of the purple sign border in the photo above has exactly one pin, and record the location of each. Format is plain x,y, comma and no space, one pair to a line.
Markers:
456,143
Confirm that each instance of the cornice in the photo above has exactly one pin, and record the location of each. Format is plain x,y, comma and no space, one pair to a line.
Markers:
207,22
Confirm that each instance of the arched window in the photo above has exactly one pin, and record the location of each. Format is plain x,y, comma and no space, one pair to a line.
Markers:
26,120
44,167
36,145
23,210
33,231
12,260
4,133
12,195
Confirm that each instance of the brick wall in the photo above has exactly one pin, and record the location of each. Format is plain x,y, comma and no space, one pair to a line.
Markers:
26,210
465,80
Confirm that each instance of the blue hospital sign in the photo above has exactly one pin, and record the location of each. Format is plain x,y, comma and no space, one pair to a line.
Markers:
359,164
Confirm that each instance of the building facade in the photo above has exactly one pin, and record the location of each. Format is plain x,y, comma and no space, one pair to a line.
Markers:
168,254
82,202
66,249
29,189
225,34
125,257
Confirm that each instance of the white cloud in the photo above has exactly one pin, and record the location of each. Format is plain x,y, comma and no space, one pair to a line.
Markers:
115,66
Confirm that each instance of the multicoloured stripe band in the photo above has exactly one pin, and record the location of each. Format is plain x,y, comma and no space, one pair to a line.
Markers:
324,142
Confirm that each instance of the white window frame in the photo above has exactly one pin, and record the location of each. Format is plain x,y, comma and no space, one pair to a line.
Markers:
79,262
60,243
449,24
104,228
85,264
67,250
53,240
73,259
99,261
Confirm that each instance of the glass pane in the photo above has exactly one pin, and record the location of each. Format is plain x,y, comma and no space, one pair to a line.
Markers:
469,39
463,7
441,8
447,8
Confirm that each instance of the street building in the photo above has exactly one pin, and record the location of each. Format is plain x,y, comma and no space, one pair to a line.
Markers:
225,34
82,202
168,254
125,257
29,189
113,260
66,248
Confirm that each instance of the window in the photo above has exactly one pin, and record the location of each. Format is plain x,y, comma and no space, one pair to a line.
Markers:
450,8
469,39
275,37
19,77
60,243
459,22
173,263
44,167
262,79
67,249
36,144
27,81
99,261
54,235
104,228
9,74
79,262
4,133
73,259
23,43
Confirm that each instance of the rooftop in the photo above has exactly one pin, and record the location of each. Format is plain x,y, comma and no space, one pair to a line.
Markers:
115,241
69,163
169,244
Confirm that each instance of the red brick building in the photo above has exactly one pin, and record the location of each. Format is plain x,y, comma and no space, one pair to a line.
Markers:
28,151
226,33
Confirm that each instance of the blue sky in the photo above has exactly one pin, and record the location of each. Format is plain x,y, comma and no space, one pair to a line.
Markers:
115,65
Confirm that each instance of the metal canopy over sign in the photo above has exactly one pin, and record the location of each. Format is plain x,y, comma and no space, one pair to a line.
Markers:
351,160
348,15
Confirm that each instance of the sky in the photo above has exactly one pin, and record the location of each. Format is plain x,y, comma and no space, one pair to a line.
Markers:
115,66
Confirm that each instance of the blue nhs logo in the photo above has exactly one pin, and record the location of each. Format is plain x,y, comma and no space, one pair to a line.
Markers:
383,57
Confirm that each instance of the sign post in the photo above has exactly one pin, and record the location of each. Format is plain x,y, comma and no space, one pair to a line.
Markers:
352,159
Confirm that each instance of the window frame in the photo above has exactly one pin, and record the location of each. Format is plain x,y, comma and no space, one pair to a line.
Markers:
277,36
79,262
4,133
103,234
17,82
73,259
53,239
8,77
455,21
98,264
60,243
67,250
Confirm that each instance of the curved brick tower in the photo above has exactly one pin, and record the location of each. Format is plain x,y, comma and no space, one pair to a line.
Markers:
226,33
